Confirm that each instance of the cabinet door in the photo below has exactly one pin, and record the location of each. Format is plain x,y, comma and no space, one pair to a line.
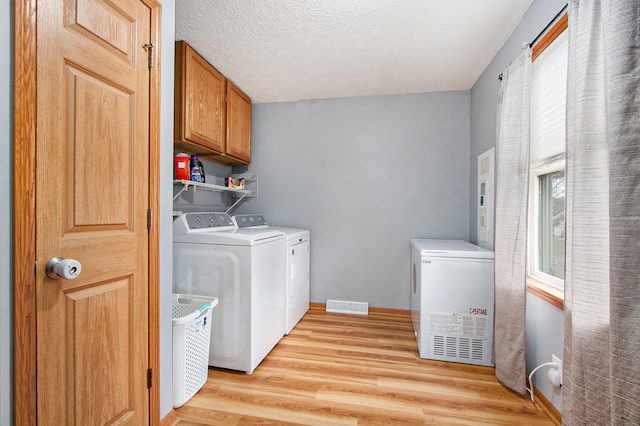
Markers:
238,124
200,102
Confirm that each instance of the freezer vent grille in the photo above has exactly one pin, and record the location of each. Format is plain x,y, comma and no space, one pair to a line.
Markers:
457,348
438,345
451,346
477,351
344,307
464,348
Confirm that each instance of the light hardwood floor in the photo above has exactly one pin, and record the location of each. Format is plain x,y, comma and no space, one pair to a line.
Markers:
356,370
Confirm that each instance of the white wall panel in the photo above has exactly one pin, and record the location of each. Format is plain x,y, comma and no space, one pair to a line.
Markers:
166,207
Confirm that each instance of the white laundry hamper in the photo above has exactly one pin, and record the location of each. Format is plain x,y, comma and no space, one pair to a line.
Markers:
191,318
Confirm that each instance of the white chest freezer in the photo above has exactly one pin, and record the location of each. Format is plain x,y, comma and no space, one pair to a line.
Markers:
452,300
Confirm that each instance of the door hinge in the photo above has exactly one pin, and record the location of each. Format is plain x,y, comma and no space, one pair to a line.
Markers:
149,378
149,219
151,49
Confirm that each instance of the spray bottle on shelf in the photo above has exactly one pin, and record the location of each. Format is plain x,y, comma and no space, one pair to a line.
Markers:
197,170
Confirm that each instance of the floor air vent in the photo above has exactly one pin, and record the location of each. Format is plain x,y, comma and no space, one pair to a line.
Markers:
344,307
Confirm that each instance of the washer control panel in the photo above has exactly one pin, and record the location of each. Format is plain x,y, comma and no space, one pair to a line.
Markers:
208,220
250,220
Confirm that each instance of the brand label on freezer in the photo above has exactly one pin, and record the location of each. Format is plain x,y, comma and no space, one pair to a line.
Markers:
454,324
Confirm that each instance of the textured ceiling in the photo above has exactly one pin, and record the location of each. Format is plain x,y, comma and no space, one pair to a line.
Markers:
288,50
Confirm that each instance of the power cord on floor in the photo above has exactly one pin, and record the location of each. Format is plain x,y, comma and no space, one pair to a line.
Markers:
546,364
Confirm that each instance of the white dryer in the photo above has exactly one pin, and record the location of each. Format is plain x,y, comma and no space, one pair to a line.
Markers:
246,272
452,300
297,255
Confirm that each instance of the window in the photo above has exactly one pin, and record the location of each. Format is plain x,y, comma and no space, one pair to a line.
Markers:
546,231
547,183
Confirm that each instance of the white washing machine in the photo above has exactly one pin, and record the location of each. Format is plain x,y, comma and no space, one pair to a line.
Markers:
452,300
297,256
246,272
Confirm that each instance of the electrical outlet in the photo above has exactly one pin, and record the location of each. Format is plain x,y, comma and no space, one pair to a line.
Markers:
559,368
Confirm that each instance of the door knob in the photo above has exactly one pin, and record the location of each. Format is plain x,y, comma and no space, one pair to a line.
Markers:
67,269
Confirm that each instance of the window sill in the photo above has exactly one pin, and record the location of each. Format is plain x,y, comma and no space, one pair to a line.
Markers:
546,292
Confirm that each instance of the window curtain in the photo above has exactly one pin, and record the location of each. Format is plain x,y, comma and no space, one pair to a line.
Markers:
512,189
601,369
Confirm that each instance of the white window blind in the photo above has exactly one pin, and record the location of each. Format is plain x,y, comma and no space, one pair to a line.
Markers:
549,101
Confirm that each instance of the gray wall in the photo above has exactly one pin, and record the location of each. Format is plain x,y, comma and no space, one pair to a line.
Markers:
365,175
544,322
545,336
6,370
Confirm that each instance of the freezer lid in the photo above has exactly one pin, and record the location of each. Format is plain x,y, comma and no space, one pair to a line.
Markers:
450,248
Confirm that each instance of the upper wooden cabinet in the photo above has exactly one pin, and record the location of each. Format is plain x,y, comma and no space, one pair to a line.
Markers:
238,124
199,103
212,116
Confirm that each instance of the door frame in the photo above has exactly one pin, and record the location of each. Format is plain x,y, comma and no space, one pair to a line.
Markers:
24,212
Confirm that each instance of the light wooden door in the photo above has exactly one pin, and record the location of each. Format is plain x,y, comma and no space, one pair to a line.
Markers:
92,199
